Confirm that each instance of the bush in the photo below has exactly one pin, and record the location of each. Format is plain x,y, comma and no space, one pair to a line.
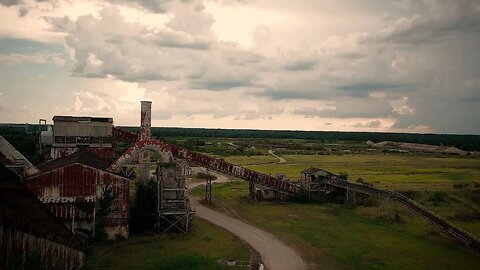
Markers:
411,194
360,180
438,197
468,215
103,210
457,186
343,175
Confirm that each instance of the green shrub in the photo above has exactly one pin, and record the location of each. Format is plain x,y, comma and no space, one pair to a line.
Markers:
343,175
438,197
468,215
102,211
143,211
457,186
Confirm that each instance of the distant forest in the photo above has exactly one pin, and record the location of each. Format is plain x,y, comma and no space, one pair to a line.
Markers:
26,140
464,142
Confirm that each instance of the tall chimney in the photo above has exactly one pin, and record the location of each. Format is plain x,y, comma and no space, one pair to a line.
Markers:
145,120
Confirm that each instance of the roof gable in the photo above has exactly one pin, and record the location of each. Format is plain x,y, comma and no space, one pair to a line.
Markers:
81,157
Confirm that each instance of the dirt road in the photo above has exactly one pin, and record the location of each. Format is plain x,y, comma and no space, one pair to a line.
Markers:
275,254
280,159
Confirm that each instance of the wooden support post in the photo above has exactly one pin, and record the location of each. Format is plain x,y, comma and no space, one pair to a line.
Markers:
252,192
208,188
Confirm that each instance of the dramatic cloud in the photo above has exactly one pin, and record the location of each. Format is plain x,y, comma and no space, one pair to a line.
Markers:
393,66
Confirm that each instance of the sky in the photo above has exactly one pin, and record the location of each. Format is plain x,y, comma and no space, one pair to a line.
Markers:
350,65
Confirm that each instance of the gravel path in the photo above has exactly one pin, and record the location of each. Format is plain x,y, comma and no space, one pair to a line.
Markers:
275,254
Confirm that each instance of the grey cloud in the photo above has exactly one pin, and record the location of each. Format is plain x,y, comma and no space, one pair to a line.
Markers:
221,81
443,18
60,24
158,6
303,64
109,45
22,11
369,124
366,87
350,108
172,39
291,93
10,3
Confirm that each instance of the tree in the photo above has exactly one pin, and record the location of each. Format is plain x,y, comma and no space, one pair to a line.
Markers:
144,212
104,209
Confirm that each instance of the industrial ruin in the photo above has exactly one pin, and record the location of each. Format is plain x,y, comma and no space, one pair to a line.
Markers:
82,170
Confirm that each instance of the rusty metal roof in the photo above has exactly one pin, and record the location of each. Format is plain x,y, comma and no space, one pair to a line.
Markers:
21,210
68,118
83,157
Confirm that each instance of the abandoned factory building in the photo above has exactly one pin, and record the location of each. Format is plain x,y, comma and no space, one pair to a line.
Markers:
72,133
71,186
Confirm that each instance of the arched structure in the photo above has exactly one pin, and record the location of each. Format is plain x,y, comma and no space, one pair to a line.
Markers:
133,153
203,160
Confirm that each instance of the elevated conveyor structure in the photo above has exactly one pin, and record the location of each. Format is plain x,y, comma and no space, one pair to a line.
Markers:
293,188
206,161
454,231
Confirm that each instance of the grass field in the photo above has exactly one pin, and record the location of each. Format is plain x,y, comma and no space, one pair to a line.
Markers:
199,249
385,168
427,179
330,236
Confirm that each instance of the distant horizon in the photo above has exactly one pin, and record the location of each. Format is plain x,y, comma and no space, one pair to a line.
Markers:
255,129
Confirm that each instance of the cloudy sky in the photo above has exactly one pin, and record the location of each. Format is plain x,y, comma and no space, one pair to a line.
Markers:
370,65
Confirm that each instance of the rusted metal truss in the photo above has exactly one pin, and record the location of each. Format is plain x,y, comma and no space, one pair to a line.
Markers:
124,135
293,188
208,162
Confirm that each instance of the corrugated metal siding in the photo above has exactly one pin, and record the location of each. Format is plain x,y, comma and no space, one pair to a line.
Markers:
78,181
103,152
87,129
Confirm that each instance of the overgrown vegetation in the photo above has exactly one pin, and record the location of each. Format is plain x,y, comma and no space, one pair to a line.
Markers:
331,236
104,208
143,210
197,250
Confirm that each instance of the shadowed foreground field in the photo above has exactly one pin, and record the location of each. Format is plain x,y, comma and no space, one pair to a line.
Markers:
197,250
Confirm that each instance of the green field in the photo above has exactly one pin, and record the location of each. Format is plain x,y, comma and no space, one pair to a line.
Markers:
330,236
386,168
199,249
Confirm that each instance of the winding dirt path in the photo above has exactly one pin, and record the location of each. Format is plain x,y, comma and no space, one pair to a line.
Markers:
275,254
280,159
